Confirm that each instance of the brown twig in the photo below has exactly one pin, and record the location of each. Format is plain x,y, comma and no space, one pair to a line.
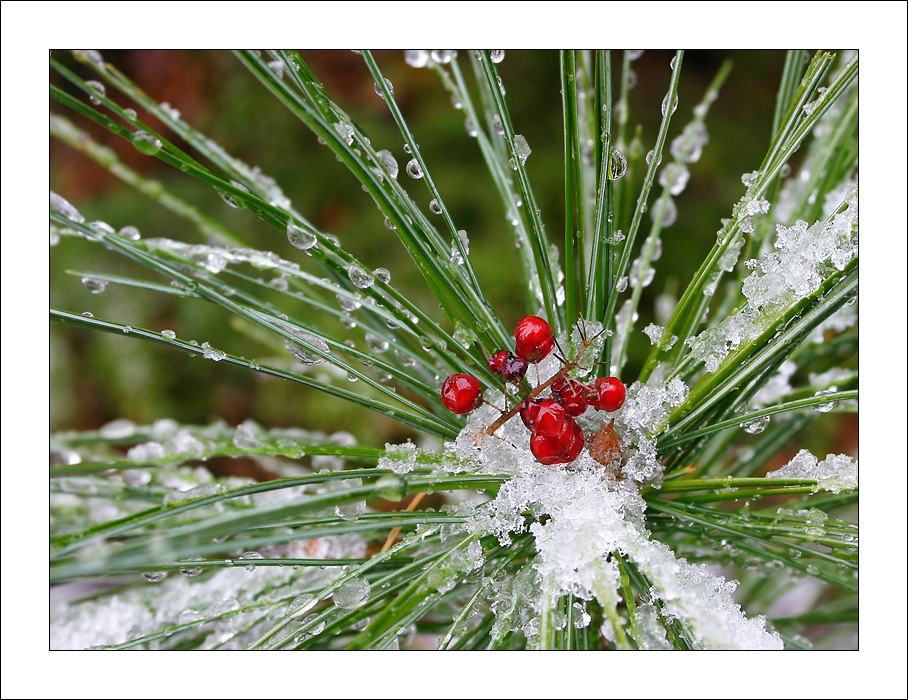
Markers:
396,531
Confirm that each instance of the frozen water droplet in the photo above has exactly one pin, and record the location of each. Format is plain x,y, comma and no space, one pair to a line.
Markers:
757,426
277,67
388,86
209,353
98,88
154,576
345,131
414,170
59,204
435,207
117,429
359,277
168,334
136,477
418,58
497,55
521,149
464,336
300,238
665,104
94,286
750,179
471,127
245,436
382,274
146,143
352,594
388,160
617,165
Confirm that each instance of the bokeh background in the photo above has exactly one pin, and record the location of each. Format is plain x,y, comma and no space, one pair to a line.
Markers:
98,377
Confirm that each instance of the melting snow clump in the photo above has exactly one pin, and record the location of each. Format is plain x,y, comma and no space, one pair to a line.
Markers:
835,473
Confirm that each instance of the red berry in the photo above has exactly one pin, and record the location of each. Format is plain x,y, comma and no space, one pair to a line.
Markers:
561,448
544,417
610,394
461,393
571,394
534,338
509,366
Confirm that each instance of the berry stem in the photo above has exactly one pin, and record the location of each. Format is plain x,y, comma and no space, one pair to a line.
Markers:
568,366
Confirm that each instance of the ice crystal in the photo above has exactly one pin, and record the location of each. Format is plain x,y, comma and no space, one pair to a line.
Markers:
835,473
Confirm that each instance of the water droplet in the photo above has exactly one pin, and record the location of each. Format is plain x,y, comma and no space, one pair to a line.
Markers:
634,54
435,207
190,571
245,556
828,406
154,576
351,510
348,303
88,314
89,56
674,177
455,101
418,58
617,165
471,127
302,354
388,86
98,88
168,334
376,344
669,215
300,238
146,143
650,155
130,232
443,56
414,170
59,204
501,86
359,277
497,125
94,286
622,284
352,594
497,55
391,487
665,104
130,113
382,274
757,426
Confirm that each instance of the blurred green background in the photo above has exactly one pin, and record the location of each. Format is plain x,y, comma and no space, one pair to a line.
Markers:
97,377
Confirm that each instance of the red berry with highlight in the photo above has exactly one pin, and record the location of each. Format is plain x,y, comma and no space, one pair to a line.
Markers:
507,365
610,394
561,448
534,337
571,394
461,393
544,417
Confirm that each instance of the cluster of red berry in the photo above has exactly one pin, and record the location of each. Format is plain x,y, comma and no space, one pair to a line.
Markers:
556,436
